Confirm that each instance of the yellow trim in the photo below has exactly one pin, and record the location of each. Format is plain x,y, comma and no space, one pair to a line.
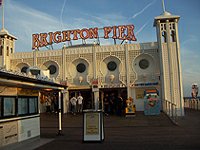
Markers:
79,87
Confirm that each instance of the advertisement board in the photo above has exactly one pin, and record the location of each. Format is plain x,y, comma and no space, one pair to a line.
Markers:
93,126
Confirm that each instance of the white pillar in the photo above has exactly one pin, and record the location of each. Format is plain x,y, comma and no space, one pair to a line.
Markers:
65,101
127,70
96,100
59,114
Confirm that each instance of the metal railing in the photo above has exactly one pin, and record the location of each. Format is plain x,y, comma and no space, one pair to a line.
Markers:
170,109
192,103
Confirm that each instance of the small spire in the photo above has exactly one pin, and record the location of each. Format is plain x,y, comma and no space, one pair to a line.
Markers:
163,5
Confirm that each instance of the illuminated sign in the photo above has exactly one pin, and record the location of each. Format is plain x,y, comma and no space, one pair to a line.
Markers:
122,32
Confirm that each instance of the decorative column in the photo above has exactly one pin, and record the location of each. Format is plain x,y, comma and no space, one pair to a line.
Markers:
127,70
95,88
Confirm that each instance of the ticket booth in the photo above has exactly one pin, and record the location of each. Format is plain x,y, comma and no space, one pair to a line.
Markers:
19,106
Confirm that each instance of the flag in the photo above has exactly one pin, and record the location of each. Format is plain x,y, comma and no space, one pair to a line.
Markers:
1,1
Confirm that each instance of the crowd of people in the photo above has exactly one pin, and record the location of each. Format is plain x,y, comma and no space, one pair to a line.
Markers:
114,104
51,103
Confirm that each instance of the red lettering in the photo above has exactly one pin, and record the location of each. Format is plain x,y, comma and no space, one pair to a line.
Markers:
75,32
107,30
114,32
130,33
43,39
86,35
50,38
93,33
57,37
121,29
66,35
35,41
122,32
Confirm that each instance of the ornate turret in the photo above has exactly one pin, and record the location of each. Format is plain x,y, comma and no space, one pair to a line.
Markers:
7,44
170,68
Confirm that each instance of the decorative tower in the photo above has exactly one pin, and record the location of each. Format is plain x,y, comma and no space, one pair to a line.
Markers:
170,66
7,44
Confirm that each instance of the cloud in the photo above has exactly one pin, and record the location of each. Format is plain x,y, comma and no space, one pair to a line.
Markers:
23,21
106,19
61,14
141,11
141,29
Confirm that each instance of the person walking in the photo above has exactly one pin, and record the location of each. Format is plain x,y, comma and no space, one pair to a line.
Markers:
80,103
119,105
106,104
73,101
48,104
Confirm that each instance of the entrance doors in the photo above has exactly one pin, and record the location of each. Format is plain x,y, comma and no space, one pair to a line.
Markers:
87,95
113,100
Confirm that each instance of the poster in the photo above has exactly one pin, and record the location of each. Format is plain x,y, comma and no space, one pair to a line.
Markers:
92,124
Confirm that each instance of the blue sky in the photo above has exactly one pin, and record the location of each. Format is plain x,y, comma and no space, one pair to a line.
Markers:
25,17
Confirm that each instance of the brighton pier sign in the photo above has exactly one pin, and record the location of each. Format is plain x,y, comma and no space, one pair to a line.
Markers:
122,32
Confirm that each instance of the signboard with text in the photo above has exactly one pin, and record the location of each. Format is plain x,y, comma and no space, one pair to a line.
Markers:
93,126
122,32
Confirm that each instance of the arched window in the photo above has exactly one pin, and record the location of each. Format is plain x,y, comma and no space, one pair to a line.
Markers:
11,50
173,36
164,37
7,51
1,50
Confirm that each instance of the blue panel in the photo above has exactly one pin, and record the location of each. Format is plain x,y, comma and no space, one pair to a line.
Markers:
152,107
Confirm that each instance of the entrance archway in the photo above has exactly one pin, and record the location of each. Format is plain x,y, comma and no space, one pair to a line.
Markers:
113,97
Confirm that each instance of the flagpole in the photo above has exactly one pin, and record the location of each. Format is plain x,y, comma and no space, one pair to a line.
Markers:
163,5
2,14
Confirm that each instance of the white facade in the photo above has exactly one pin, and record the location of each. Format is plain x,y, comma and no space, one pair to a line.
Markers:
133,67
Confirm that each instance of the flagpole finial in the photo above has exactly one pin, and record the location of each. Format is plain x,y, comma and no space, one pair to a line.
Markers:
163,5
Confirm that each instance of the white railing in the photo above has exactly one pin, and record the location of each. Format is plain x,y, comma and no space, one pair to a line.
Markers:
192,103
170,109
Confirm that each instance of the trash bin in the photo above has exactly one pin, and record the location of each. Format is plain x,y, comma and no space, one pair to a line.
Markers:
93,126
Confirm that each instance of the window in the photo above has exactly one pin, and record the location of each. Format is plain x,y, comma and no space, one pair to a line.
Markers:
144,64
27,105
33,105
7,51
1,50
9,106
13,106
52,69
111,66
24,69
173,36
81,68
164,37
22,106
